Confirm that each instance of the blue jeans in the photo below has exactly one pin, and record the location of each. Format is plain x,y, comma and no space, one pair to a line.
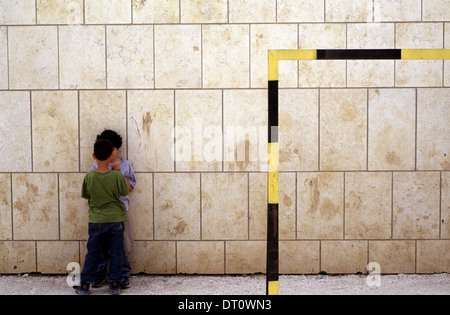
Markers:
103,236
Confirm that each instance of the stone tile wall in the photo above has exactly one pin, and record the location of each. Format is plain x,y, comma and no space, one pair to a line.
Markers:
364,145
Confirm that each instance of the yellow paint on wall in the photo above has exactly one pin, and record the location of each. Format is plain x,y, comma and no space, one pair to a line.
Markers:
273,288
429,54
273,173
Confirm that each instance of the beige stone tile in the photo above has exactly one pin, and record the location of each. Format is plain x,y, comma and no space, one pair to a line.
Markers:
107,12
446,73
201,257
348,11
53,257
198,130
419,35
140,211
244,257
35,207
436,10
17,257
257,206
110,108
299,257
156,11
226,61
130,56
370,73
320,205
393,256
344,256
3,58
416,205
177,206
82,57
59,11
74,210
300,11
370,35
392,129
418,73
15,131
5,207
199,11
447,35
433,137
224,206
151,130
322,73
368,205
398,10
178,56
245,130
343,129
445,205
433,256
322,36
253,11
287,206
270,36
154,257
14,12
55,131
33,57
298,130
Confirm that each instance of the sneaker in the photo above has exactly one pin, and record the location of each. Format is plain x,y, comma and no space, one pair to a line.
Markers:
114,288
82,289
125,283
99,281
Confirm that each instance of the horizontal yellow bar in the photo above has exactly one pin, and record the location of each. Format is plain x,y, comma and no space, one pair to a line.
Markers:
294,54
273,173
428,54
273,288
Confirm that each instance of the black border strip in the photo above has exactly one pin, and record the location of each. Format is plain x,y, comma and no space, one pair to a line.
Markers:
273,111
272,243
341,54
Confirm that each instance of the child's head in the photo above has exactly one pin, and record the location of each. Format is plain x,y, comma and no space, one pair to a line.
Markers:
102,149
111,136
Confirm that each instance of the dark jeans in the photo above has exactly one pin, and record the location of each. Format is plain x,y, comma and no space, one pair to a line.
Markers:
103,266
103,236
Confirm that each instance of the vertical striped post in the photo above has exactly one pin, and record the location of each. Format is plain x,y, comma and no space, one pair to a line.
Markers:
272,207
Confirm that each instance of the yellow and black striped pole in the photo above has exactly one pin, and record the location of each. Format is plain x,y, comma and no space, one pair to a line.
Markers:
312,54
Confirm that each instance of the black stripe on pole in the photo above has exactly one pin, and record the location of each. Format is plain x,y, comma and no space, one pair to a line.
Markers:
329,54
272,243
273,111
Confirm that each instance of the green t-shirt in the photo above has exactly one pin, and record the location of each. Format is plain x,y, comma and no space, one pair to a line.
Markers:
103,190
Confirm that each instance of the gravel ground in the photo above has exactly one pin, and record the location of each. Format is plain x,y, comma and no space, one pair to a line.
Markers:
437,284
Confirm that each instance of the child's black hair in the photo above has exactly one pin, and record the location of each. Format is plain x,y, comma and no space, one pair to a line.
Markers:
111,136
102,149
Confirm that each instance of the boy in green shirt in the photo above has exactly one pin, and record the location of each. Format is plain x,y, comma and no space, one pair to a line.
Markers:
107,213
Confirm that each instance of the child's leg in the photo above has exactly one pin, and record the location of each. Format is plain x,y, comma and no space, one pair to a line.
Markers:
95,247
128,243
116,251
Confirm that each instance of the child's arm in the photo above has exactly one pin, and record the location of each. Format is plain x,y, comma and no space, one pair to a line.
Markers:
130,188
129,176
